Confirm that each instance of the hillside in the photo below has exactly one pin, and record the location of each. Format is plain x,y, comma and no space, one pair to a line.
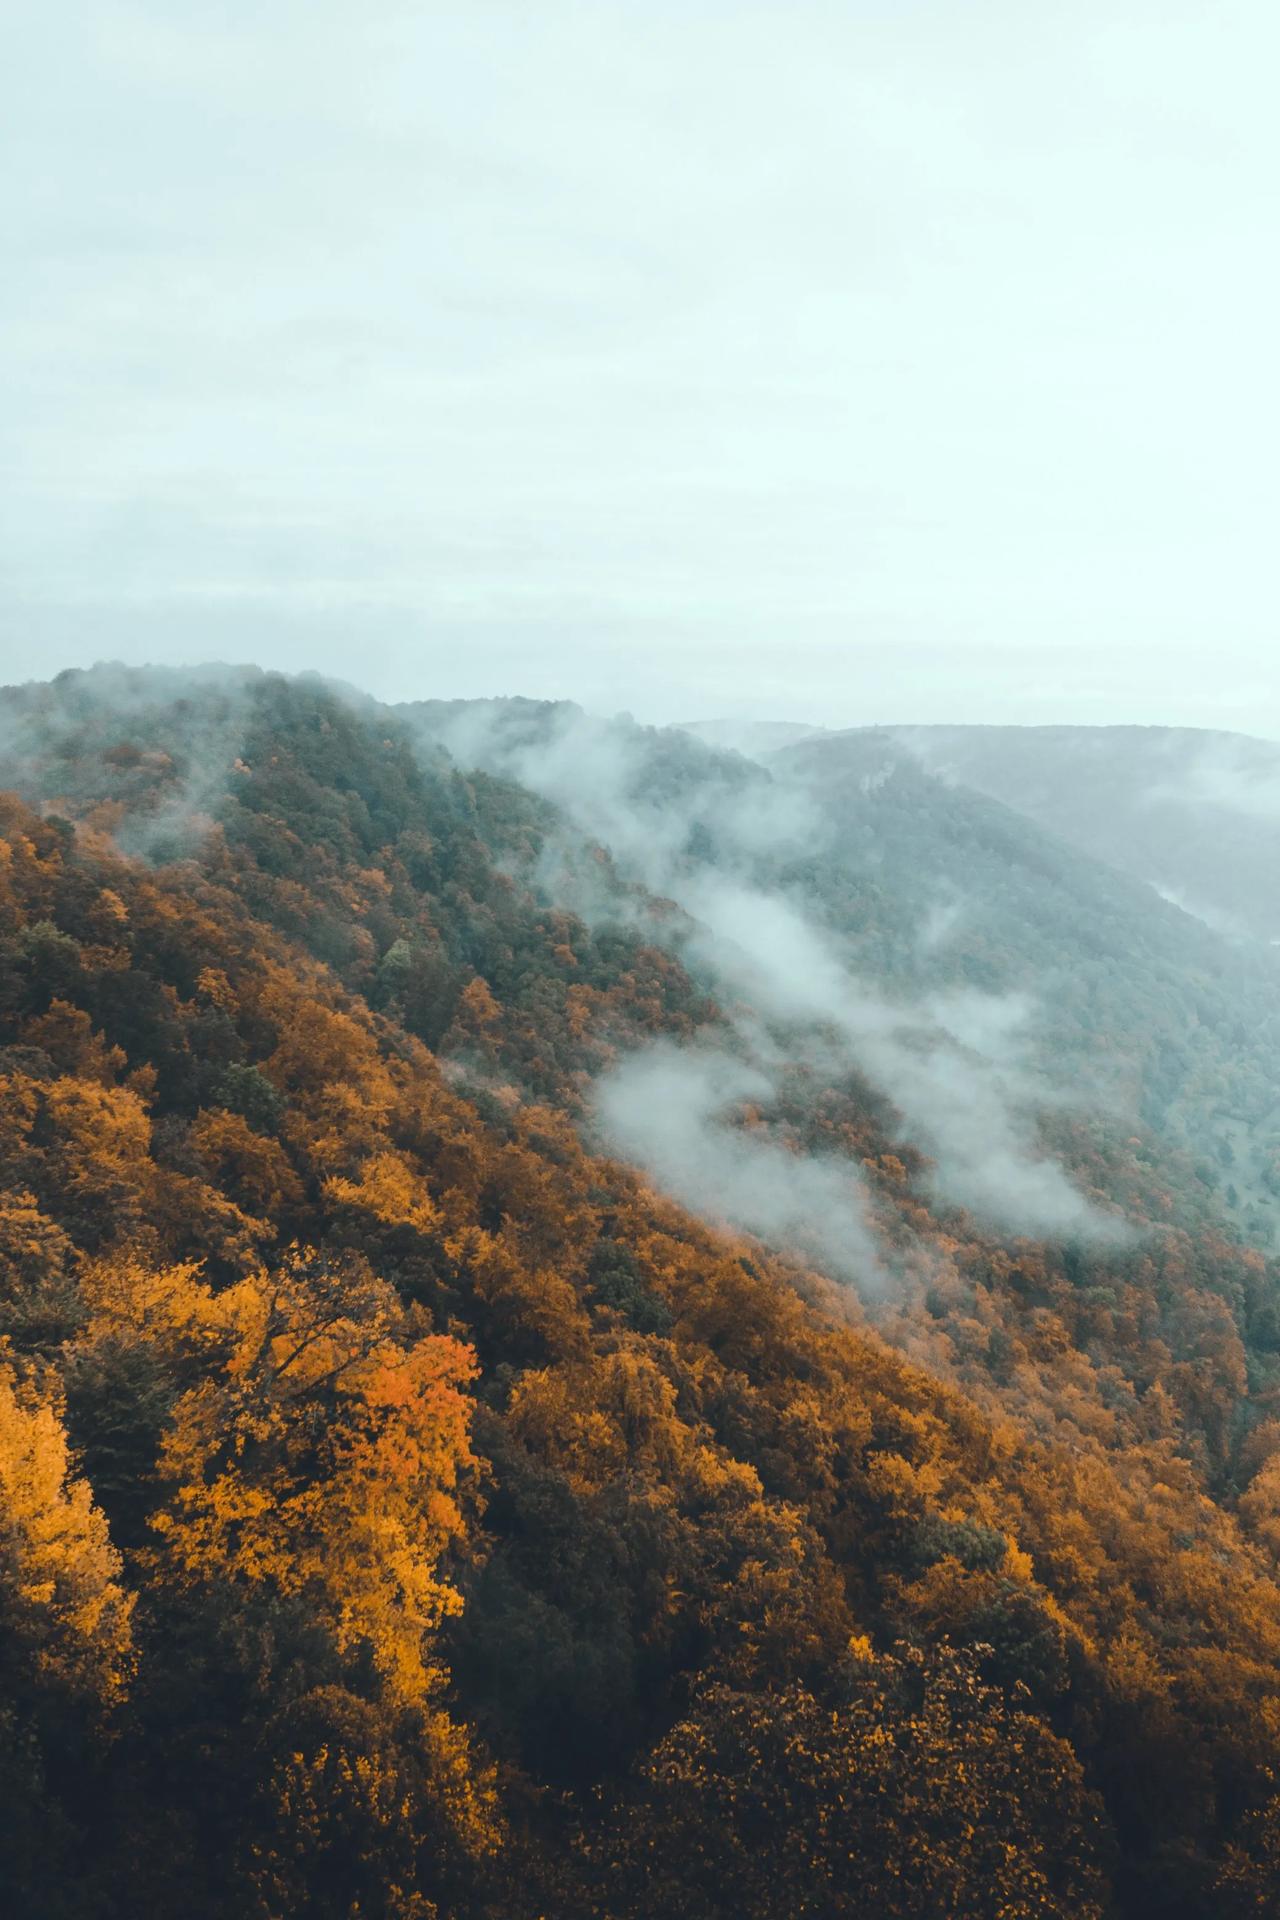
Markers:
1160,1017
1194,813
846,891
425,1493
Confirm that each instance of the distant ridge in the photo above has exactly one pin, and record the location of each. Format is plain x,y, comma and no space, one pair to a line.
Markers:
752,737
1195,813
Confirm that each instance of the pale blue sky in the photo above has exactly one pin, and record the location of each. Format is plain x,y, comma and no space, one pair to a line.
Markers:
909,361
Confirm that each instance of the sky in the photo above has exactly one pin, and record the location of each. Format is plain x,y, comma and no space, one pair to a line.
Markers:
834,362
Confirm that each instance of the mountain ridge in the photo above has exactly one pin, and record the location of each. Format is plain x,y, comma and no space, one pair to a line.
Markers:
1195,812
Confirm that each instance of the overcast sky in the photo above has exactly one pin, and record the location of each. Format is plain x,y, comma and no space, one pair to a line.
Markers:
844,362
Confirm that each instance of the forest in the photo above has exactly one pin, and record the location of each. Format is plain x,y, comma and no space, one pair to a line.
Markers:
419,1500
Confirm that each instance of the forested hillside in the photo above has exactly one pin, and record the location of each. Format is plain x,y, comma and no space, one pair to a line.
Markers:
1112,1011
1193,812
1150,1012
408,1509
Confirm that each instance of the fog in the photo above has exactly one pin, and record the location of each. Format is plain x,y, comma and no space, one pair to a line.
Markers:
1236,776
704,832
672,1112
64,721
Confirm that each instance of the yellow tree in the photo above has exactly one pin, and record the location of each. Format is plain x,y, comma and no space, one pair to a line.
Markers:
65,1613
313,1464
323,1458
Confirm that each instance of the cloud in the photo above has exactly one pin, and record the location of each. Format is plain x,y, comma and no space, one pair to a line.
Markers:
724,841
955,1066
1238,776
672,1111
50,731
810,361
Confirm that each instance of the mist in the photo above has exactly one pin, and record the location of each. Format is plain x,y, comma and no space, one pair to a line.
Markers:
1236,775
712,834
48,731
677,1112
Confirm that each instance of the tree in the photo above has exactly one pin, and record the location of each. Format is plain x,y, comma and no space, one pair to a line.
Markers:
917,1796
66,1654
66,1615
322,1458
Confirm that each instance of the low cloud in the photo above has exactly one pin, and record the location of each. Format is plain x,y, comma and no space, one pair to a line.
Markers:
677,1114
172,777
1233,775
723,841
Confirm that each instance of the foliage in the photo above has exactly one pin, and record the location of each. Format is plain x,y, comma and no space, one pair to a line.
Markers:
406,1512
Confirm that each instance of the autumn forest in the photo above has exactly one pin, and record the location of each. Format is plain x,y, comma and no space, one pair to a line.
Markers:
599,1327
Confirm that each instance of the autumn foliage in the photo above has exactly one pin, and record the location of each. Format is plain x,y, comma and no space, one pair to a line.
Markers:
405,1512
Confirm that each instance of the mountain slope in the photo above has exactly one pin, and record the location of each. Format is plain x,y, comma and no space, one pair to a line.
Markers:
464,1527
1059,987
1194,813
1159,1018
